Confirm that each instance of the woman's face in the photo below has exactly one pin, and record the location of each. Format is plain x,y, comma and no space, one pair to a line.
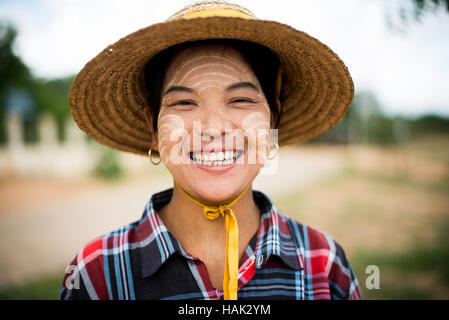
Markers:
213,122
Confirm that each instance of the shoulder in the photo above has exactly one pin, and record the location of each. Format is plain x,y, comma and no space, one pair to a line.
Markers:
87,275
324,259
309,238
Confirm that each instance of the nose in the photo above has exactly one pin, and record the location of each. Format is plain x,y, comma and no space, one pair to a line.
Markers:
214,124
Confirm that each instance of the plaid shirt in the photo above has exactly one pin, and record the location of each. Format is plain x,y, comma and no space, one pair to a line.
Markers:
284,260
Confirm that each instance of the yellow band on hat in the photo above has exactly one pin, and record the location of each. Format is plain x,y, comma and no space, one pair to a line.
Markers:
230,279
217,12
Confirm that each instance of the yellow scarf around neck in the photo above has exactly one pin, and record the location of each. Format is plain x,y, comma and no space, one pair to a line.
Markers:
230,279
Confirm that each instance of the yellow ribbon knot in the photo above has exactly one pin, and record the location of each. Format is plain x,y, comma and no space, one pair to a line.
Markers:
230,279
214,212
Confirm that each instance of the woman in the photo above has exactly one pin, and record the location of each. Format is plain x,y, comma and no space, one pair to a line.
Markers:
203,93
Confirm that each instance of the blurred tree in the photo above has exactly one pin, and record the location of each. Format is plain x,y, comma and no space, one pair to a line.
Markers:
52,97
20,101
430,124
13,72
16,81
108,165
420,7
414,11
364,123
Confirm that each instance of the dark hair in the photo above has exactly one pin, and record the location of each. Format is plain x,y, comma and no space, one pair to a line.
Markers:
263,62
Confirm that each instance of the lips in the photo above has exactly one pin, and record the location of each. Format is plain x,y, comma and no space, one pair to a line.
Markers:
214,158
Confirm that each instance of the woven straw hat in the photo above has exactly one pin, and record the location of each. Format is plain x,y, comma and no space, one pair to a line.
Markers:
108,96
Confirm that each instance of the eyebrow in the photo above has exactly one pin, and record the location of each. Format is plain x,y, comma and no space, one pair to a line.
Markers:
234,86
242,85
178,88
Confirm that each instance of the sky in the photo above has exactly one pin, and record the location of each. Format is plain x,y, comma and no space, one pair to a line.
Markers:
407,68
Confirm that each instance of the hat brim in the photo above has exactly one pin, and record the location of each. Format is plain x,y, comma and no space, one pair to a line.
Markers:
107,97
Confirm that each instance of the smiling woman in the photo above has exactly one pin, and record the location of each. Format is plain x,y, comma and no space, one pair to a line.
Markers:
202,93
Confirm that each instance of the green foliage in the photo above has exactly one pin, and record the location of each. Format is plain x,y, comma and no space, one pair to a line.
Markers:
49,96
420,7
13,72
52,97
108,164
366,123
430,124
413,11
425,259
44,288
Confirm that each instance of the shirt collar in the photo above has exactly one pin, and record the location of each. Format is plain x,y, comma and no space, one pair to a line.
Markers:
275,236
157,244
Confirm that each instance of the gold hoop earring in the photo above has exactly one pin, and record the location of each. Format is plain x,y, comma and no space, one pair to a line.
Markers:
151,154
276,145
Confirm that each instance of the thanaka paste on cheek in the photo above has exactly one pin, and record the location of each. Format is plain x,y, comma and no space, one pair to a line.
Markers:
171,127
257,128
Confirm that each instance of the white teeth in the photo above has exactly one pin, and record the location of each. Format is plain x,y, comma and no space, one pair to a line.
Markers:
215,158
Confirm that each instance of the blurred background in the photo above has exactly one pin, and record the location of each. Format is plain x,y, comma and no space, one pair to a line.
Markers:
378,182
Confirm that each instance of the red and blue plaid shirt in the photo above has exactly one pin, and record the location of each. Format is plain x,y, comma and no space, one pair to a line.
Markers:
284,260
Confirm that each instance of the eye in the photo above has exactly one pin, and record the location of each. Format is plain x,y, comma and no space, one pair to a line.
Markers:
242,100
182,103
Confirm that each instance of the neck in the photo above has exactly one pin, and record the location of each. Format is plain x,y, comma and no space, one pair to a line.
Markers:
199,235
